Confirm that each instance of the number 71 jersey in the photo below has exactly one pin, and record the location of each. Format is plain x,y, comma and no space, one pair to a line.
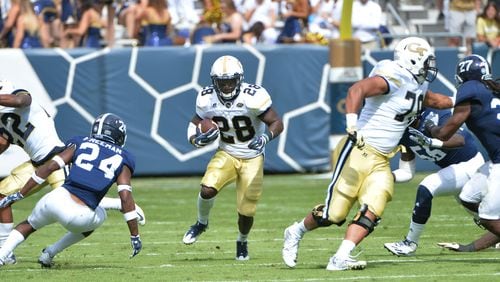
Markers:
384,118
238,119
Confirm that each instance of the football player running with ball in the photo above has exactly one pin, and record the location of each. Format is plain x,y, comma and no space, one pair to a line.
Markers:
246,122
393,96
478,106
23,122
97,162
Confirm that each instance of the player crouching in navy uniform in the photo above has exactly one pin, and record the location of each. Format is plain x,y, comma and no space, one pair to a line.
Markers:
97,162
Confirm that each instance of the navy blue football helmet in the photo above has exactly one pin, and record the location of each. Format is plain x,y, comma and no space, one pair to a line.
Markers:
110,128
473,67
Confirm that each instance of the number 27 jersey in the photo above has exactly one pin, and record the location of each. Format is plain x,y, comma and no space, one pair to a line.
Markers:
238,120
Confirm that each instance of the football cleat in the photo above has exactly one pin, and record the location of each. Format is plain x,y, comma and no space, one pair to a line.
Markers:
402,248
291,246
337,263
242,251
10,259
194,231
141,219
45,260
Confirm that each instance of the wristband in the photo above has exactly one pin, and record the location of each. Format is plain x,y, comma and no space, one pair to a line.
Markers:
122,187
351,120
37,179
436,143
130,215
59,161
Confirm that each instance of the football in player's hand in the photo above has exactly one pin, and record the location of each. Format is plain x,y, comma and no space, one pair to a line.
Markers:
206,124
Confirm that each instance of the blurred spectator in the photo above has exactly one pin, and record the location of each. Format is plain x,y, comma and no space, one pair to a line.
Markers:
6,35
488,25
462,20
69,15
260,16
155,19
295,16
50,29
325,17
127,17
89,26
27,33
184,19
366,20
440,7
231,27
109,25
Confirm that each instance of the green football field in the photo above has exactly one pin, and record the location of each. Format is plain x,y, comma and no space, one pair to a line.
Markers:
170,206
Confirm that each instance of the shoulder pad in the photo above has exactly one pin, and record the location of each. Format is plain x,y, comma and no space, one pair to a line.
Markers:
390,71
204,96
256,97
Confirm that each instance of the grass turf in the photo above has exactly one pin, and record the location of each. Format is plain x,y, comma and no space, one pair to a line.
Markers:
170,207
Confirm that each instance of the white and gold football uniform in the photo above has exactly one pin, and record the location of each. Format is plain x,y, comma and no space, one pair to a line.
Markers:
238,122
363,173
32,129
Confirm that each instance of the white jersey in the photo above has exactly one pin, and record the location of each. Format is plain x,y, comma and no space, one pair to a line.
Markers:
29,127
238,120
384,118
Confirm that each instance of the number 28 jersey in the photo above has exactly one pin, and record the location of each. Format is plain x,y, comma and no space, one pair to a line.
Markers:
238,120
94,168
384,118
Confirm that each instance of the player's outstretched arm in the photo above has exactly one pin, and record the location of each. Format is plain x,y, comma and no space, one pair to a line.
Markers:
128,209
487,240
21,99
39,176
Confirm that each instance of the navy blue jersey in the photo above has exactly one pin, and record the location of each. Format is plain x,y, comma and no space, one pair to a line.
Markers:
442,157
484,119
94,168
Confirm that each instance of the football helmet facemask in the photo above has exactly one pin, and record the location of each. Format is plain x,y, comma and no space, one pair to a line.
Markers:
227,75
473,67
110,128
416,55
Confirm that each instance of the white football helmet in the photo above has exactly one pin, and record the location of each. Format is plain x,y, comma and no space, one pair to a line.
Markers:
416,55
227,75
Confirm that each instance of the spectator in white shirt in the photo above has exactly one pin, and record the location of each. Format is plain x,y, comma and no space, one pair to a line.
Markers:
366,20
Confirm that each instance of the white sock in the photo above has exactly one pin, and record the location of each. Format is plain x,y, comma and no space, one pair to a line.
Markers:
204,207
15,238
67,240
415,231
242,237
301,228
5,229
345,248
111,203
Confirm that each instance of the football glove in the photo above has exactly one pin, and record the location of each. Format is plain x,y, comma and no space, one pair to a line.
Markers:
136,243
456,247
419,138
258,142
204,138
430,121
356,138
10,199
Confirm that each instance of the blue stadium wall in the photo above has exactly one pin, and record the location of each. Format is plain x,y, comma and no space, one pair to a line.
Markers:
154,91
